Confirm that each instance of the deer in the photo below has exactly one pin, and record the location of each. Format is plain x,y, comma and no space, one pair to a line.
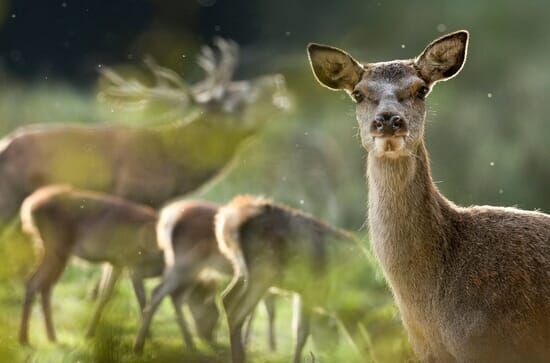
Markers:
185,233
147,165
98,228
471,284
274,246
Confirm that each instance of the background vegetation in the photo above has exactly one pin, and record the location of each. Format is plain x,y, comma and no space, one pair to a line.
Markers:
487,129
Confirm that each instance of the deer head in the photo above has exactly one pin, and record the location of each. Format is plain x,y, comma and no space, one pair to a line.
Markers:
390,96
244,104
251,101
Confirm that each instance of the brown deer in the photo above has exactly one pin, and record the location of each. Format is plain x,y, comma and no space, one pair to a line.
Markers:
98,228
472,284
270,245
145,165
185,232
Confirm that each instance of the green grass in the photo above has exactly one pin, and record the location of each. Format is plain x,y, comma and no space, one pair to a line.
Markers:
72,307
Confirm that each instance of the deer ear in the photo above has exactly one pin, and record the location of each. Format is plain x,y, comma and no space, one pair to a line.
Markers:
444,57
334,68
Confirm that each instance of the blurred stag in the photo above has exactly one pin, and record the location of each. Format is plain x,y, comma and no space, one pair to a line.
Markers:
145,165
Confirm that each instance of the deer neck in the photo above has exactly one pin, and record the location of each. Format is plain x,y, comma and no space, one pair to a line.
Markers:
203,145
407,220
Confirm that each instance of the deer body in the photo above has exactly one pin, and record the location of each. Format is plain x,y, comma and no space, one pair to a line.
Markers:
271,245
185,232
471,283
148,166
100,228
64,222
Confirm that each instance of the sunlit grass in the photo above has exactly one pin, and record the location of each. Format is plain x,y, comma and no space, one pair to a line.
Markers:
73,306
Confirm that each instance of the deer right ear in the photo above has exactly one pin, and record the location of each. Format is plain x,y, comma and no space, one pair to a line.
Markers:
334,68
444,57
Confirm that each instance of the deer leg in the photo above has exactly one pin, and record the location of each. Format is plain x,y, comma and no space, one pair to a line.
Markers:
27,306
231,300
106,270
269,303
182,323
168,286
248,327
47,311
42,279
94,293
204,310
301,325
139,290
239,301
106,290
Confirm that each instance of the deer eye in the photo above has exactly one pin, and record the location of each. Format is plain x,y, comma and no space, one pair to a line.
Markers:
422,92
357,96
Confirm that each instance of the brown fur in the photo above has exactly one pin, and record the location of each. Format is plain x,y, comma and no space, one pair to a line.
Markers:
273,245
185,232
96,227
228,223
65,222
147,166
471,283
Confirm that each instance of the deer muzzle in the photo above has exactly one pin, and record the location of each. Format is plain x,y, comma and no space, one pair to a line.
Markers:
388,124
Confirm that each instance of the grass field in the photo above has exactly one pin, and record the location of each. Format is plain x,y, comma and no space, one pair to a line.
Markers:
73,306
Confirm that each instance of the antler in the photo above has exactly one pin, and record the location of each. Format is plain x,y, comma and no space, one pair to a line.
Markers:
169,87
217,90
218,73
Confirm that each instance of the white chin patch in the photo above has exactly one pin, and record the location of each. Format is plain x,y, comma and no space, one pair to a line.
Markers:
390,147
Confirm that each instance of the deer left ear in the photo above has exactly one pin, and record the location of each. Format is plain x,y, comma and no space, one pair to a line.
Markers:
334,68
444,57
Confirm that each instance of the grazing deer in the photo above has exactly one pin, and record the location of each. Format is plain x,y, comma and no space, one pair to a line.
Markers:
144,165
270,245
98,228
472,284
185,232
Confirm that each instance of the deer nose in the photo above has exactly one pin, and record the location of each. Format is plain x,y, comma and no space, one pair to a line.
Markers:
387,124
